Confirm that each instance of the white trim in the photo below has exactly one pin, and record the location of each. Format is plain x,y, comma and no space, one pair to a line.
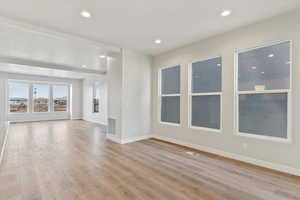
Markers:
170,95
113,138
4,142
264,91
8,93
170,124
191,94
206,129
265,137
134,139
160,95
30,104
261,163
206,94
128,140
287,140
68,97
33,98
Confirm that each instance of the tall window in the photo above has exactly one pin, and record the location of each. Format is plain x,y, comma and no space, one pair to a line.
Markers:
96,98
264,91
205,94
60,98
170,95
18,97
40,97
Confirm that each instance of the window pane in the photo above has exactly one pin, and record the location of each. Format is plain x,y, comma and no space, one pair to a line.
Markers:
60,98
206,111
18,97
265,68
40,97
170,80
96,98
206,75
170,109
263,114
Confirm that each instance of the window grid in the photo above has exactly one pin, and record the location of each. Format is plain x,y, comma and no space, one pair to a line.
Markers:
161,95
263,91
30,103
192,94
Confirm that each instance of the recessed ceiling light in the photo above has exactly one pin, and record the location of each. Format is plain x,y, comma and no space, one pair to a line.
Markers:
253,67
83,65
157,41
85,14
226,13
262,72
271,55
102,56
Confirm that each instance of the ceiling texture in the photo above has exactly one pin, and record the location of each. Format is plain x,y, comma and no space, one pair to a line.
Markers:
136,24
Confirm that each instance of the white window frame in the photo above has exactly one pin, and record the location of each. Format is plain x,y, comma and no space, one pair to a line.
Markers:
191,94
52,97
30,109
160,95
95,87
28,100
282,91
49,96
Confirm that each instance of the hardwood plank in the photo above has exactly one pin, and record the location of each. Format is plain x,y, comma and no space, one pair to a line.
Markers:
73,160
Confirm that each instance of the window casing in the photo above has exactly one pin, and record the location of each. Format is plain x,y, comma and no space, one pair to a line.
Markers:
18,97
60,98
169,95
263,91
205,94
96,98
40,96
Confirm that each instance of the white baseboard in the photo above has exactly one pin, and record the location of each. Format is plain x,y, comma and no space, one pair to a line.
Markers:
94,121
261,163
126,140
135,139
4,142
113,138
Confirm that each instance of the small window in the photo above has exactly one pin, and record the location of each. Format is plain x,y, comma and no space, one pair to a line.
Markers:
170,95
18,97
40,97
205,95
263,91
96,98
60,98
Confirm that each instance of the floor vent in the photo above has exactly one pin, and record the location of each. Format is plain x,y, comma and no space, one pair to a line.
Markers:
111,129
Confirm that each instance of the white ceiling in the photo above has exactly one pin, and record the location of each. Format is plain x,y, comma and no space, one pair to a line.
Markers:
137,23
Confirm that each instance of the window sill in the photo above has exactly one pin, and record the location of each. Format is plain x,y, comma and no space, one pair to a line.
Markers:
262,137
206,129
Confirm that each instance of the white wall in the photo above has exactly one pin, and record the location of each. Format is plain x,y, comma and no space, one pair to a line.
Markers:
277,155
88,113
114,93
76,108
136,98
129,95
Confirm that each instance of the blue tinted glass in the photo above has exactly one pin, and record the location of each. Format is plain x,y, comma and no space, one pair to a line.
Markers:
265,68
206,111
170,109
263,114
170,80
207,75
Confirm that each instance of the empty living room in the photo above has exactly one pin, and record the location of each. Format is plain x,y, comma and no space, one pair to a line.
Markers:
150,100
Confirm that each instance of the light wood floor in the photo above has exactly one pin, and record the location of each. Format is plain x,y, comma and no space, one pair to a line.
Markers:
66,160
